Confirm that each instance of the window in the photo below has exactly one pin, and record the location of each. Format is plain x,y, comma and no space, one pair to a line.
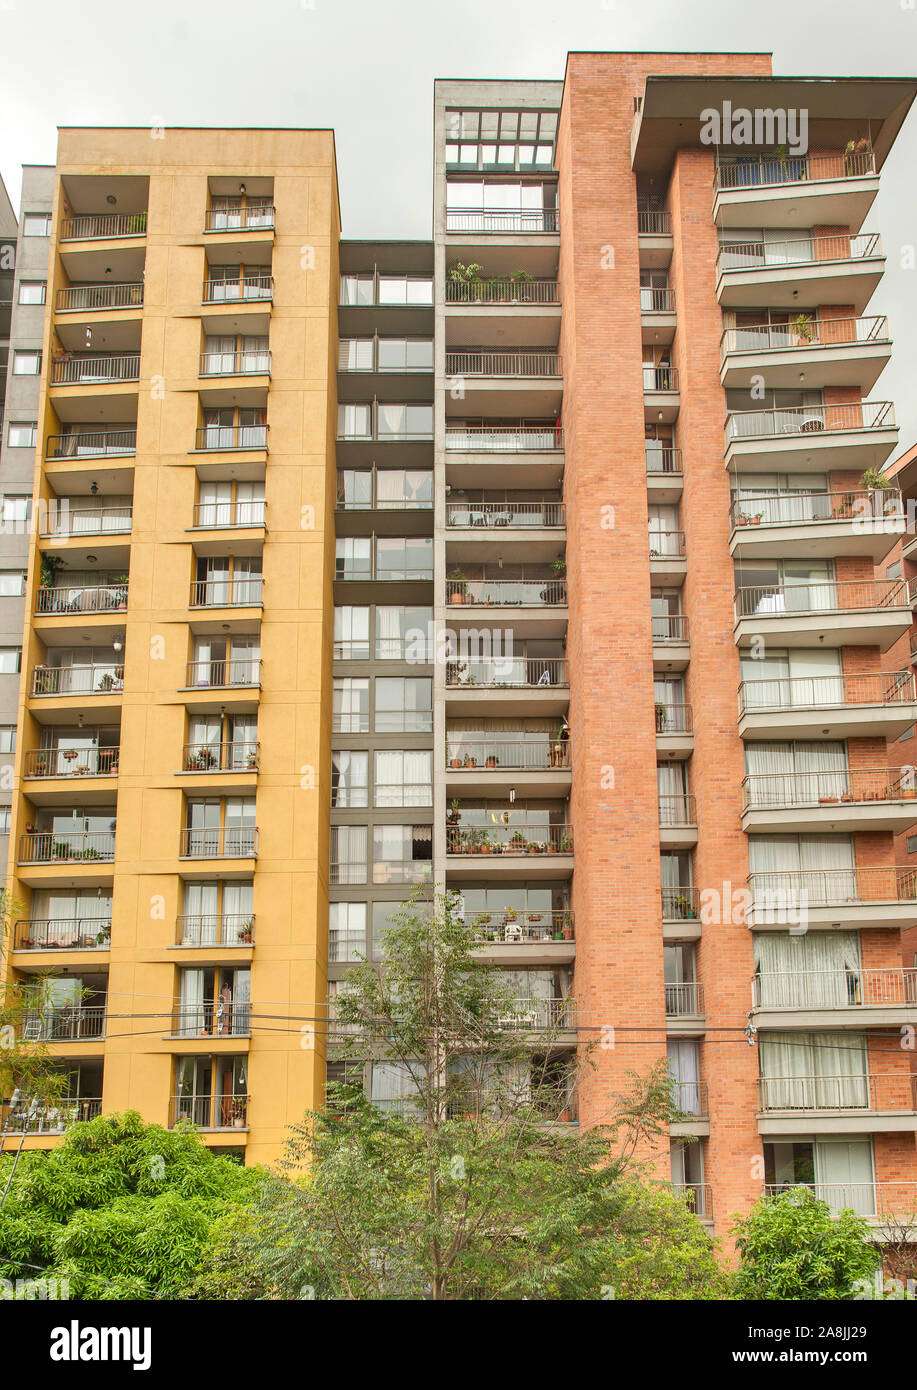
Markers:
12,583
346,931
355,355
10,660
404,705
401,853
350,778
405,355
27,362
404,557
912,844
403,778
348,854
353,557
36,224
23,434
15,508
894,571
405,489
32,291
400,289
351,633
350,714
8,738
355,422
909,732
404,634
357,289
404,421
5,813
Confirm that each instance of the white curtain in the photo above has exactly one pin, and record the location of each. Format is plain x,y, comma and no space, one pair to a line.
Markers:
817,970
191,1019
201,912
684,1068
806,1071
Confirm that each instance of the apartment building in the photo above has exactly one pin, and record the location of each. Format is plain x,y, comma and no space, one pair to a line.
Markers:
169,844
24,245
598,619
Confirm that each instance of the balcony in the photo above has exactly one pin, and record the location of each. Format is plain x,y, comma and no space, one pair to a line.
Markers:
654,222
102,679
865,612
674,730
245,363
657,314
816,524
828,190
684,999
849,898
114,367
878,704
524,849
209,1112
831,352
892,1202
668,562
219,842
211,1019
98,226
224,675
660,394
502,222
63,521
671,649
690,1099
66,846
246,289
255,217
851,998
851,1104
53,1118
507,593
221,757
552,1016
681,913
535,768
532,363
245,592
91,444
878,799
66,1023
506,516
698,1197
677,821
664,476
511,685
211,929
517,937
804,438
91,298
63,934
71,600
71,762
503,290
226,438
225,516
504,439
810,271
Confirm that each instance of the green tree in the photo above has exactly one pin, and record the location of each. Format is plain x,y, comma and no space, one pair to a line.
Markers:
792,1247
121,1208
469,1188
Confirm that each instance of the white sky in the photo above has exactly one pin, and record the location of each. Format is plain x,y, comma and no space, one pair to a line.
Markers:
366,67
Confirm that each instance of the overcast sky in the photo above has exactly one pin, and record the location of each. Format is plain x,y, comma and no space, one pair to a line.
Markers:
366,67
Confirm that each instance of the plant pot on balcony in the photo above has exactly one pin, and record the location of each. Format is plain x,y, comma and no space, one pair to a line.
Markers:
490,762
455,762
457,598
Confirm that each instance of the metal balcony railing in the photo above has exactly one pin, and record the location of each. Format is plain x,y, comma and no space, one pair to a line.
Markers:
667,545
216,437
216,516
829,788
502,291
95,371
677,809
680,904
857,505
769,170
532,363
660,379
245,592
69,599
509,754
819,333
508,593
684,999
690,1098
819,596
520,927
497,220
895,1201
62,520
698,1196
65,1023
663,460
809,419
219,842
53,1118
215,929
797,251
674,719
66,846
71,762
221,757
882,1091
502,515
248,362
530,839
537,1015
209,1112
91,444
94,226
656,299
211,1019
774,888
515,671
247,287
220,675
102,679
669,627
504,439
63,934
91,297
257,217
808,692
851,988
654,222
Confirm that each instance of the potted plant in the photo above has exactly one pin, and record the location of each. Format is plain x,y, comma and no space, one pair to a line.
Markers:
509,914
491,760
453,815
458,586
246,932
251,761
874,480
41,766
804,324
470,761
568,927
517,840
50,564
120,587
103,937
566,845
685,907
559,566
454,759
